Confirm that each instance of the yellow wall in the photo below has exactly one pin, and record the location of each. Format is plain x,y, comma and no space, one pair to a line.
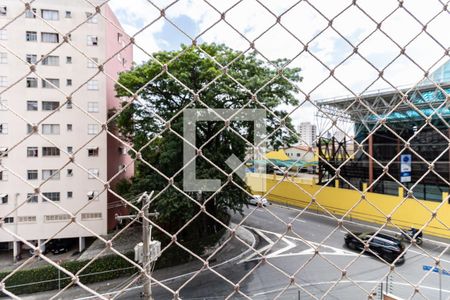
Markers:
410,212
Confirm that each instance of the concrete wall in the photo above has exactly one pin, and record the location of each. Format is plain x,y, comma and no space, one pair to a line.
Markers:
405,213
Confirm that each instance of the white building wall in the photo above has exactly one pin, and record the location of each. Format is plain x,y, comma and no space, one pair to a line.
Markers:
297,153
17,186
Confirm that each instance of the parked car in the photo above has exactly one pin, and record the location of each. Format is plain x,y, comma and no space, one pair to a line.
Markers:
387,247
59,246
255,199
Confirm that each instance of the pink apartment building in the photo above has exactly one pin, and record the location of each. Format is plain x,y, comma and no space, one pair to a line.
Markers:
53,142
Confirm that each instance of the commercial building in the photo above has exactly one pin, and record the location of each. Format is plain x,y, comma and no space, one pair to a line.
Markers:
402,136
58,63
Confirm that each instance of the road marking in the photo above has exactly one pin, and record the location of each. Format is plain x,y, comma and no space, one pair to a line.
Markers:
344,281
425,255
290,242
439,243
298,220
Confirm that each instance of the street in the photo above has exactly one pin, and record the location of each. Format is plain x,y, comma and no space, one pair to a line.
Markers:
318,276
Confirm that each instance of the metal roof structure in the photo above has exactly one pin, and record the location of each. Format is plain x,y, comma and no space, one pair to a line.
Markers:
408,104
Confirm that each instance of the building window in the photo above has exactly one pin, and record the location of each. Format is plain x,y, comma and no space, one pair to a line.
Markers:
31,36
49,37
3,58
69,194
69,127
50,151
3,128
50,105
3,198
3,152
32,82
91,216
32,105
52,196
3,11
92,85
56,218
51,60
3,175
50,128
93,129
3,35
93,107
93,151
52,174
32,198
92,40
69,82
30,13
50,83
69,104
3,81
26,219
91,18
51,15
3,104
92,173
8,220
68,60
29,128
69,172
68,14
32,151
122,150
70,149
31,58
32,174
92,62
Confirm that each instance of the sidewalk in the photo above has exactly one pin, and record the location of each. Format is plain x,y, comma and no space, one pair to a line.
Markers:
232,251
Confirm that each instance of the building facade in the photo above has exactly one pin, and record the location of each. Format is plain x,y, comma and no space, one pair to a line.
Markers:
299,152
307,133
58,64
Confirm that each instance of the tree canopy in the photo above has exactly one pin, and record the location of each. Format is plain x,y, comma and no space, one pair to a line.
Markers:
170,83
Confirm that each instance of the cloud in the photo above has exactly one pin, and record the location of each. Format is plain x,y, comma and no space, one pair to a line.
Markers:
309,23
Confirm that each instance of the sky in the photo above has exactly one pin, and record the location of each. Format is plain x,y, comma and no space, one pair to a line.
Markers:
305,22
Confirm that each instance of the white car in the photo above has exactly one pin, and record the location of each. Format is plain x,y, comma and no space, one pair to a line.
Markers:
255,199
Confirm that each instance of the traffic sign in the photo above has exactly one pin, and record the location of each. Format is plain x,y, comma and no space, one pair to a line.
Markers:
405,167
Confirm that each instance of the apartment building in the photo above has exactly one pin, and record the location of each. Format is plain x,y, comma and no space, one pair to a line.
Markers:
308,133
54,104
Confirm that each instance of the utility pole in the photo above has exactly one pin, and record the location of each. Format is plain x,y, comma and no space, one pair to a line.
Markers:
147,251
146,238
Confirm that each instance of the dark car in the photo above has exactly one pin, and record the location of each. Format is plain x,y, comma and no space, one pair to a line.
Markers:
58,246
387,247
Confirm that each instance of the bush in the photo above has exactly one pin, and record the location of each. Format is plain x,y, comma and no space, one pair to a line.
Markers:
46,278
104,268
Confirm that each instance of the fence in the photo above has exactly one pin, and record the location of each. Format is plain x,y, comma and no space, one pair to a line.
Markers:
104,101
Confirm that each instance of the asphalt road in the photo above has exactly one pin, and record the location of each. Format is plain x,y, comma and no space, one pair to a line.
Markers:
291,256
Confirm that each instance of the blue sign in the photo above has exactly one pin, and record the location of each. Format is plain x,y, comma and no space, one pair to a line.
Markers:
435,270
405,167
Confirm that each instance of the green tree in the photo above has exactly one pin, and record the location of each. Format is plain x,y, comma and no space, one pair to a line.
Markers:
161,98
